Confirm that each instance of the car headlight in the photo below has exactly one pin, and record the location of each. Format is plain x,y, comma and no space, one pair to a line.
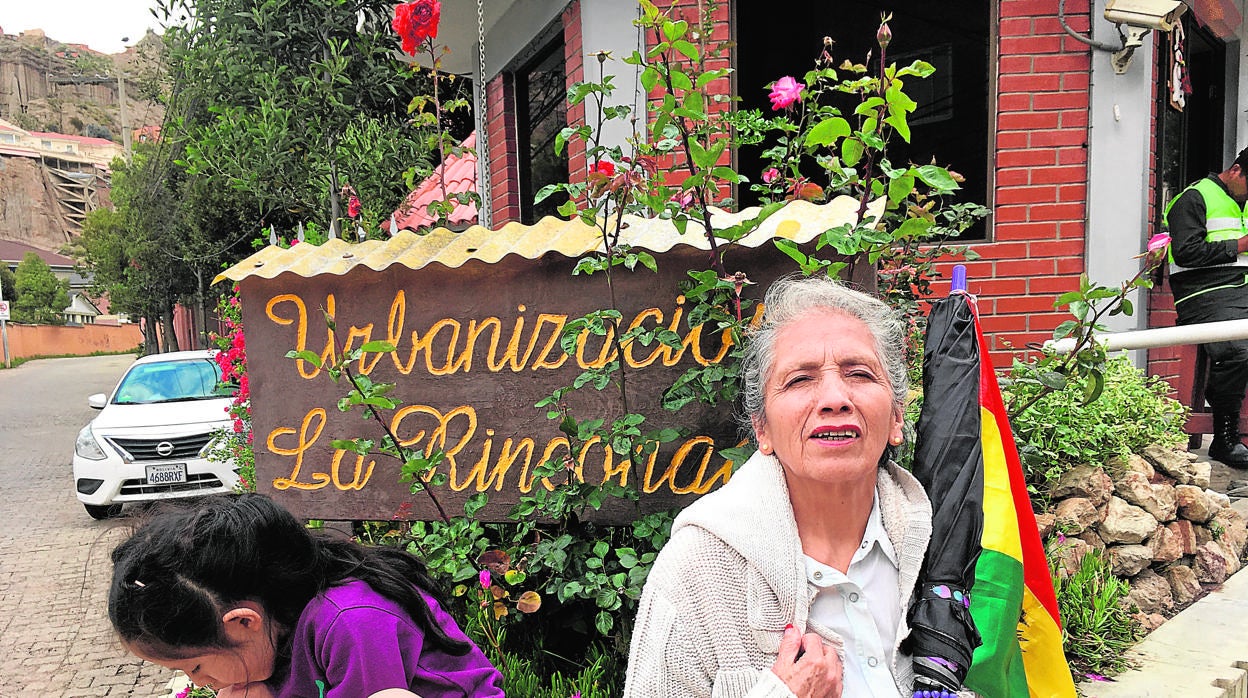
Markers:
87,447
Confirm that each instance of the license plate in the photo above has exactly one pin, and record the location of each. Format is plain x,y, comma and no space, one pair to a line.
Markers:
166,474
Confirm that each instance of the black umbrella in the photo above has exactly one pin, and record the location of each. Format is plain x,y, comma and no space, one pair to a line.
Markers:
948,461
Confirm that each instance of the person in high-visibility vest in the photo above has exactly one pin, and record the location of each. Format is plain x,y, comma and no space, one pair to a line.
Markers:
1209,277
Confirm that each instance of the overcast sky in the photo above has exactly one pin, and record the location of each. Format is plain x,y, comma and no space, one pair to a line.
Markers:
100,24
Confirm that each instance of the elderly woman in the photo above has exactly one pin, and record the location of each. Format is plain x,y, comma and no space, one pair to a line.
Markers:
793,579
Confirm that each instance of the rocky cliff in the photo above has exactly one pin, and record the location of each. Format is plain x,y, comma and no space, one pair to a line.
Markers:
50,86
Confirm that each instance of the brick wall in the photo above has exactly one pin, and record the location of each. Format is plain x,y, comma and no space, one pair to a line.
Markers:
1037,227
1040,195
715,57
504,199
574,58
501,125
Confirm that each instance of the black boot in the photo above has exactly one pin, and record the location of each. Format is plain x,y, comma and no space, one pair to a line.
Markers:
1226,446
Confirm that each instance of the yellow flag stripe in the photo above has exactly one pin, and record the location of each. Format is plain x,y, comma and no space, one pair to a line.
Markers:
1000,517
1039,637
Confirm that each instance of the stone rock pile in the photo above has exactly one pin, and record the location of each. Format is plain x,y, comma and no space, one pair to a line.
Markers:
1155,518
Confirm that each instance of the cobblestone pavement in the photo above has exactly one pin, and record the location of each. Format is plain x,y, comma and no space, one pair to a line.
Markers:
55,639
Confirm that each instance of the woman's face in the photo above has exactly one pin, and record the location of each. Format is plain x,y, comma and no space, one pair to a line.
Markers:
828,408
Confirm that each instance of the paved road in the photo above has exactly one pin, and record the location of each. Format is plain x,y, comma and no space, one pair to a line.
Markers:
55,639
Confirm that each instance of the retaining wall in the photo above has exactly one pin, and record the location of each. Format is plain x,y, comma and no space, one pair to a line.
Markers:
26,341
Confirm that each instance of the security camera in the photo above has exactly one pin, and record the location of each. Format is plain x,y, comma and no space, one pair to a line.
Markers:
1135,19
1145,14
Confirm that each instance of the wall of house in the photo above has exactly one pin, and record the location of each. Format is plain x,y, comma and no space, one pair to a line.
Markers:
1176,364
27,341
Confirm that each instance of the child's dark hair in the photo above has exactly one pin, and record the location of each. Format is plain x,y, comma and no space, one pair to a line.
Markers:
177,575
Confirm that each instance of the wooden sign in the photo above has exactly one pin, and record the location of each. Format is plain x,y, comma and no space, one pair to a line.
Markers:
477,348
476,317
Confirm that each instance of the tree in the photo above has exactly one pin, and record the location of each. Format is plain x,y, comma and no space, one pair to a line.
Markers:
290,102
8,284
164,240
41,296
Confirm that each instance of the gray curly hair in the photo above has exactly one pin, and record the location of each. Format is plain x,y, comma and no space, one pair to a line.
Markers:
794,296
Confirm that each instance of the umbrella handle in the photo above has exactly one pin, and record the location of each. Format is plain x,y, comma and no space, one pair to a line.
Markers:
959,279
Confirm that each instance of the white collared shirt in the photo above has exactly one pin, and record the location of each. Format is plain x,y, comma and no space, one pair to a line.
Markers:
863,608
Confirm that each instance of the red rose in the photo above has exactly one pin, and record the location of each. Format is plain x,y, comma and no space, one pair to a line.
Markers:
605,167
416,21
353,207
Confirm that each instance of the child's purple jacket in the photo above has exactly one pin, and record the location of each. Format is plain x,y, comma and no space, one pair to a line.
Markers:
351,642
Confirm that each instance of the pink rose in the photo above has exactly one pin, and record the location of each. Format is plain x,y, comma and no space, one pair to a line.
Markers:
1160,241
684,200
484,579
770,175
785,92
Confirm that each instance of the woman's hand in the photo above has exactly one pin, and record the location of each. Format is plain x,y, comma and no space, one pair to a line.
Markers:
808,668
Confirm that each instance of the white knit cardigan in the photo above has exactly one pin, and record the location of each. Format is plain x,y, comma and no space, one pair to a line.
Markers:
732,576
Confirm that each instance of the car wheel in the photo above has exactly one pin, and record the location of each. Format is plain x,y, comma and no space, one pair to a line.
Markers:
99,513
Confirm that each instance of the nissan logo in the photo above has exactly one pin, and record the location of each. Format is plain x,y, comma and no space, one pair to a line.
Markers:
164,449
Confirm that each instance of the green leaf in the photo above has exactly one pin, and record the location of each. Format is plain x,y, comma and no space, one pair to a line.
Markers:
567,209
308,356
900,187
675,30
727,174
686,49
475,503
603,622
790,248
913,229
680,80
1067,298
378,346
851,151
898,121
937,178
1094,387
827,131
1052,379
649,78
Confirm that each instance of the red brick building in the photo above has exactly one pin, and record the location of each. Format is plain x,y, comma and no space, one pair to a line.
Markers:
1074,157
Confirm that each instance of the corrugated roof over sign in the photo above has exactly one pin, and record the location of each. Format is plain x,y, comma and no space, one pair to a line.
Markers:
800,221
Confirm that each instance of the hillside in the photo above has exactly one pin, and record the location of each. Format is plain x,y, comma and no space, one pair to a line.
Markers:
51,87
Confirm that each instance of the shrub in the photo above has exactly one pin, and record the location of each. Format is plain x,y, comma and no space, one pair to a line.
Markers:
1060,431
1096,627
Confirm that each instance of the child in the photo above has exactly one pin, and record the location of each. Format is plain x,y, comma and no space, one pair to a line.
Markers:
237,593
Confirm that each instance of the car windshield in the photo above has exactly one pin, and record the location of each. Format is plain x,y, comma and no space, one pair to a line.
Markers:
171,381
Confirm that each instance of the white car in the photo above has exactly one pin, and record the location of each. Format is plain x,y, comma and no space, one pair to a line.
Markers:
153,433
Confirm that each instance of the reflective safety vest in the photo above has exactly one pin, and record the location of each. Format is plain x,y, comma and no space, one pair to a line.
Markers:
1225,219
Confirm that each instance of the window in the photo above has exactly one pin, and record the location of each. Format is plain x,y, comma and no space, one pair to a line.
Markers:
951,122
8,137
541,112
46,145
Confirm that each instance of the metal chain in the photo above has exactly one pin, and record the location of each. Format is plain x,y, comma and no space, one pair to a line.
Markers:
485,213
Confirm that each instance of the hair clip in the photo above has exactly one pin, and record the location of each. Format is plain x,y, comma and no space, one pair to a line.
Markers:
139,584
